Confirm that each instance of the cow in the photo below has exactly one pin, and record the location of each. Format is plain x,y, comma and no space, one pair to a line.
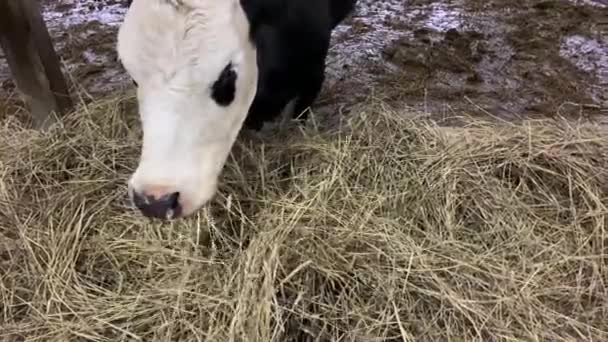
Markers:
204,70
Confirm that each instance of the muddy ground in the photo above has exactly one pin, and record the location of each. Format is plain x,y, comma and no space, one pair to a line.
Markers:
512,59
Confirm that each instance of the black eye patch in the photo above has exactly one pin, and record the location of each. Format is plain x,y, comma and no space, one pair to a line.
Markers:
224,87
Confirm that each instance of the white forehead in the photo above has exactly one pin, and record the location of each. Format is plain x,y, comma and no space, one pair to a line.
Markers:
161,40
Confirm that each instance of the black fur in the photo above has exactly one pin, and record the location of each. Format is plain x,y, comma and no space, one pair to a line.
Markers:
292,39
224,88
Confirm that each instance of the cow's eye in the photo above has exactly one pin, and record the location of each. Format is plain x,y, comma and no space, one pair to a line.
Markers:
224,87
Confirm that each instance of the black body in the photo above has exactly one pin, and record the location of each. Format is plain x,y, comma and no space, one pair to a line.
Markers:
292,39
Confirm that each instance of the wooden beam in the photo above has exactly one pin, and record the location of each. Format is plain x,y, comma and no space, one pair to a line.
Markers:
32,59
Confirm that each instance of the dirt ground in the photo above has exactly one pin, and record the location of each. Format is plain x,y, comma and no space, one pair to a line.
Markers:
511,59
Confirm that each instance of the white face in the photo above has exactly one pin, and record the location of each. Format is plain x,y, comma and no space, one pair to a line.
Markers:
196,72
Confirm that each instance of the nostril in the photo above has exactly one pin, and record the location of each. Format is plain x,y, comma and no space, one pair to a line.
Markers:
140,200
173,201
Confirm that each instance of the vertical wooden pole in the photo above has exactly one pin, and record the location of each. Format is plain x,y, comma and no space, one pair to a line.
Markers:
33,61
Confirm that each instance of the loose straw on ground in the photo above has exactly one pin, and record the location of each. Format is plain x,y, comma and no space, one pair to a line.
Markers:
389,229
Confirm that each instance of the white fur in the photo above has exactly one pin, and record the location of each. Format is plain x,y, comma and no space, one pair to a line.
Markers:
175,50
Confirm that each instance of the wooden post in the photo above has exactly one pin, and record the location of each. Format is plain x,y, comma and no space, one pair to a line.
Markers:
33,61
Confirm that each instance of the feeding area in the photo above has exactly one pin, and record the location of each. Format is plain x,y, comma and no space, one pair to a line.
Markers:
450,185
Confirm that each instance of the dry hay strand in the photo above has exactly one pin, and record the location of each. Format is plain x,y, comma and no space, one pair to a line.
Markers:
386,229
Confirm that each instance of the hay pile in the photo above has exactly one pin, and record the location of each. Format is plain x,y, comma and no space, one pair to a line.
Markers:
390,229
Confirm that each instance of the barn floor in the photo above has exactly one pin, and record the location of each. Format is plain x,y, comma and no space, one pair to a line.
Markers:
509,58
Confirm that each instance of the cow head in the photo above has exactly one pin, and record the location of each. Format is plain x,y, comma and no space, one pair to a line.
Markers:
196,74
